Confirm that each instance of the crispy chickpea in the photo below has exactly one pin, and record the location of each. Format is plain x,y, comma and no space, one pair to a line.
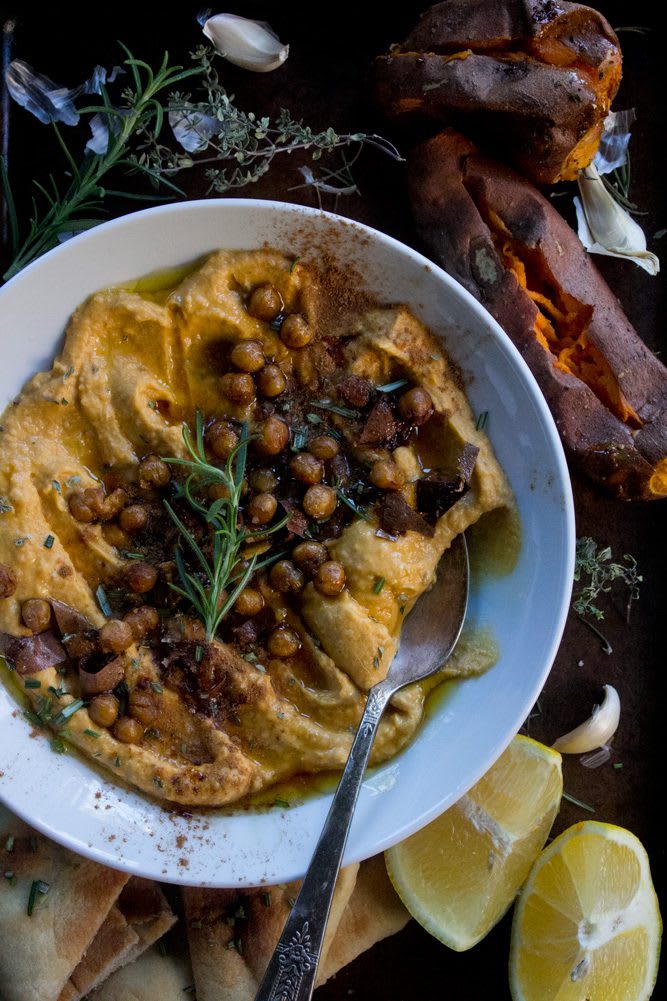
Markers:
103,709
249,602
261,509
295,331
128,730
283,642
239,387
323,446
386,475
84,505
273,436
144,704
115,636
306,468
263,480
7,581
113,504
309,556
286,577
415,406
133,518
36,614
265,302
248,356
330,578
319,502
142,620
140,577
222,439
81,645
271,381
153,472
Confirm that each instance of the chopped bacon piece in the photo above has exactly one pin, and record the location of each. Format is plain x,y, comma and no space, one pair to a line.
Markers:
397,517
381,426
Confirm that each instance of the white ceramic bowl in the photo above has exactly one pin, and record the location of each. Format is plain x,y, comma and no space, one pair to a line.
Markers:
62,797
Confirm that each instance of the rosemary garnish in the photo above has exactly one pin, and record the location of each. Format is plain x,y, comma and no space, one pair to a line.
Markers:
578,802
334,408
361,512
378,585
48,542
38,887
226,538
389,387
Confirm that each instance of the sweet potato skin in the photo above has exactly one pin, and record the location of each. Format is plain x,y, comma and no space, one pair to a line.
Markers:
452,190
536,76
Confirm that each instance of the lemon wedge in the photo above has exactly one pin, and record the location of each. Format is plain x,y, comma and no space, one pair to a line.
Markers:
587,923
460,873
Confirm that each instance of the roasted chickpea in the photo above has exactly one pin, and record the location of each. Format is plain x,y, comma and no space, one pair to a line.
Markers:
103,709
261,509
330,578
295,331
153,472
283,642
142,620
115,636
222,439
309,556
307,468
319,502
265,302
7,581
323,446
273,436
263,480
386,475
140,577
249,602
113,504
239,387
415,406
286,577
144,704
128,730
82,644
248,356
133,518
36,614
84,505
271,381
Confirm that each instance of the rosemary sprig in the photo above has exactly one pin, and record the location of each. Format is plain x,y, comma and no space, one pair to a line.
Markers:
206,590
78,206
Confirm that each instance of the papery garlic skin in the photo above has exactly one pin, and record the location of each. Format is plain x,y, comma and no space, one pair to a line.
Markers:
597,730
252,45
604,226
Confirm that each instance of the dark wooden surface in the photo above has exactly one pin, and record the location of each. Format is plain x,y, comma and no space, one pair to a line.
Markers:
327,81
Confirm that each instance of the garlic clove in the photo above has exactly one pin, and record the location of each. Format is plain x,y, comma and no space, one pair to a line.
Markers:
597,730
604,226
252,45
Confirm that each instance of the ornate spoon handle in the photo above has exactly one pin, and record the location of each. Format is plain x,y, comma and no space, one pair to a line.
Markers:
291,973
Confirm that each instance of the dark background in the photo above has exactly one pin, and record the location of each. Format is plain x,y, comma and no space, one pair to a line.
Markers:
327,82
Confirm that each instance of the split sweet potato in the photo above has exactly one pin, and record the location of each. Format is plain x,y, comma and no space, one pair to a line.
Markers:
535,77
497,235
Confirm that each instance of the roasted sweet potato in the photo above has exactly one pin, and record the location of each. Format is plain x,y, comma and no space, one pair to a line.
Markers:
495,233
537,77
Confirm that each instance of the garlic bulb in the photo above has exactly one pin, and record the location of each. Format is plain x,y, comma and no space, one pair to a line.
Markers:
252,45
598,729
604,227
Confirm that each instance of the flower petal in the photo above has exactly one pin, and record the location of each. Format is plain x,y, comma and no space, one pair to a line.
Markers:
41,96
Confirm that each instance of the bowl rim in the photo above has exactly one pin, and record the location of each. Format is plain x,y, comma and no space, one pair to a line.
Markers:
78,245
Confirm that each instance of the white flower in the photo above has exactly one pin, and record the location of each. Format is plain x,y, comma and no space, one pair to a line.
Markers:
252,45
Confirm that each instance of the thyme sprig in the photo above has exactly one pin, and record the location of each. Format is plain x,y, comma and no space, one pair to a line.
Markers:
596,572
239,145
77,205
207,590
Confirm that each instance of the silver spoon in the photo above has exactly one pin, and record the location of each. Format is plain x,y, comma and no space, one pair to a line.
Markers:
428,637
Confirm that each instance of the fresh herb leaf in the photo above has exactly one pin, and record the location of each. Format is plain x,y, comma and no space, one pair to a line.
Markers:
48,542
389,387
482,420
334,408
91,733
32,683
38,888
378,585
103,601
578,802
596,572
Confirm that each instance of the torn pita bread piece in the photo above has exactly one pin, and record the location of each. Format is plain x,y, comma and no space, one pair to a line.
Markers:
139,918
232,933
52,904
152,977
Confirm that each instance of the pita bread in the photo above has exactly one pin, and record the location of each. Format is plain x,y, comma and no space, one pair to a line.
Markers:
38,952
152,977
140,917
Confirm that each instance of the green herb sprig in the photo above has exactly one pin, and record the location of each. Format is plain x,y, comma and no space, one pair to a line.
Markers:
596,572
206,590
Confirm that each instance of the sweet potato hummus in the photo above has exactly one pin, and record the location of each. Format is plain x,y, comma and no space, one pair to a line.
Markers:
204,628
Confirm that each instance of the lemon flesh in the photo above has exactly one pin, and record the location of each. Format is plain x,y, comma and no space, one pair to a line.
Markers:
587,924
460,873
